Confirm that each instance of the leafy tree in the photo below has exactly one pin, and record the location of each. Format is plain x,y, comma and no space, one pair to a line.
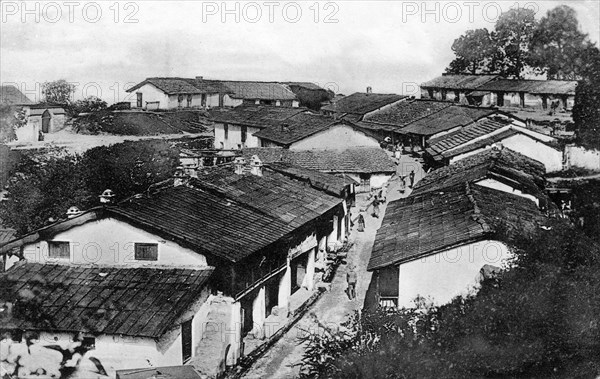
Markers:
87,105
475,52
586,112
538,319
10,119
513,32
45,188
58,92
557,44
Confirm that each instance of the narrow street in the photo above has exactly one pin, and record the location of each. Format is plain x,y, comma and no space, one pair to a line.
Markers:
283,358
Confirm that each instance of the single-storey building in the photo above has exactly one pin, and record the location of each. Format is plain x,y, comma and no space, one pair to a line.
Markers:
175,92
434,245
498,168
369,167
455,87
235,128
360,104
115,316
305,131
485,133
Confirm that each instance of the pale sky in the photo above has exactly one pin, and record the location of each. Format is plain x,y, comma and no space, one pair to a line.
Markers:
105,46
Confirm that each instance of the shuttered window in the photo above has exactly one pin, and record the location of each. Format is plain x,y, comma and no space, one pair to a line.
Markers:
146,252
59,249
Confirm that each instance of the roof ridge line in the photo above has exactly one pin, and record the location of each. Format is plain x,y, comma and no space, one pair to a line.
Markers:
476,216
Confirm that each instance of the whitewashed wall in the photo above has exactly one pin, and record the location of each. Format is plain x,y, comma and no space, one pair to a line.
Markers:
494,184
336,137
110,242
150,94
234,137
550,157
450,273
577,156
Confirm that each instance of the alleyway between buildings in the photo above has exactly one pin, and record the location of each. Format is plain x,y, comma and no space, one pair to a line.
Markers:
283,359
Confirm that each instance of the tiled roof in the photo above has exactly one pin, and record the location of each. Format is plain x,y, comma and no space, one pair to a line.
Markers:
507,166
290,202
466,134
334,185
169,372
459,82
7,235
174,86
259,116
553,87
405,112
365,160
208,222
447,119
431,222
140,302
362,103
297,127
305,85
12,95
258,90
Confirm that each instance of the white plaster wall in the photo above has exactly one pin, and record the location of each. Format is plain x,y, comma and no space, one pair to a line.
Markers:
450,273
111,242
309,278
234,137
151,93
285,288
336,137
494,184
550,157
580,157
258,314
468,154
29,132
228,101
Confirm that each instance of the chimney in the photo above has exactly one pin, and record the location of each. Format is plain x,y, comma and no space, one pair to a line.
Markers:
107,196
238,165
256,166
179,177
199,77
369,89
73,212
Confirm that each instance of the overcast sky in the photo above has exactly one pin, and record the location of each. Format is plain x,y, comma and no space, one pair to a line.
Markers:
344,45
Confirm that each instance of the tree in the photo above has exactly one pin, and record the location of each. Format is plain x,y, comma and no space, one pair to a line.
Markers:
87,105
557,44
538,319
586,112
513,33
11,118
475,53
45,188
58,92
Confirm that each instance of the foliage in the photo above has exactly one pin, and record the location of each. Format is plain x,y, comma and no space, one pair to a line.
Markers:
87,105
474,51
58,92
514,29
586,112
557,44
310,98
43,189
11,118
537,319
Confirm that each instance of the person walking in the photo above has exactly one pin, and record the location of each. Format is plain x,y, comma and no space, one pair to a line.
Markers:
412,178
361,223
375,204
351,278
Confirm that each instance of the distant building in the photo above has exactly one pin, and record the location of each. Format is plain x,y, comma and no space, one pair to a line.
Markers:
437,245
173,93
486,133
492,90
359,105
42,118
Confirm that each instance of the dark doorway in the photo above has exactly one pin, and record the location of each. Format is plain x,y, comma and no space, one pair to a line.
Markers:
298,266
272,294
139,99
186,340
246,303
46,117
388,286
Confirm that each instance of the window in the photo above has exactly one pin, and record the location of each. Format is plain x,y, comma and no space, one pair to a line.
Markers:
179,100
146,252
59,249
244,133
203,100
139,99
226,130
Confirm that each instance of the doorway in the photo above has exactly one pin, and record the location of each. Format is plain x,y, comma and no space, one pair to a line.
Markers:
46,118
